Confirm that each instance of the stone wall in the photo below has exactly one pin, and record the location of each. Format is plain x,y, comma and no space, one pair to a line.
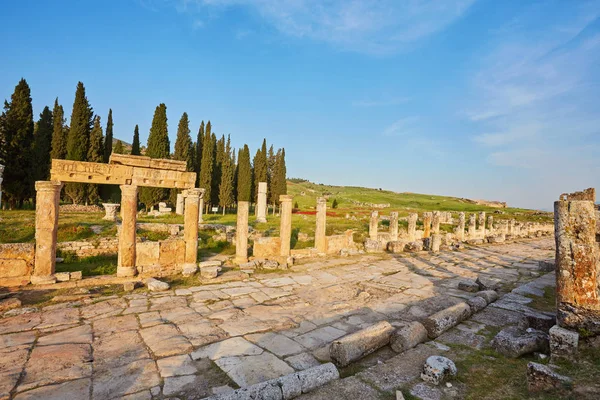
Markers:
162,258
336,243
16,263
102,246
266,247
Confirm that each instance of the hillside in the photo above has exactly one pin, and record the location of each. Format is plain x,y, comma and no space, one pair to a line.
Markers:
360,200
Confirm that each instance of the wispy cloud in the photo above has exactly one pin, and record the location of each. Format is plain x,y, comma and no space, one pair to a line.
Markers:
402,127
366,26
383,102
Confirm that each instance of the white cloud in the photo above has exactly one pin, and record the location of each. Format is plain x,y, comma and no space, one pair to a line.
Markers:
366,26
402,127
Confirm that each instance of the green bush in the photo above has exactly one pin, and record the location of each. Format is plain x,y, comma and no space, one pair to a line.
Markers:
334,204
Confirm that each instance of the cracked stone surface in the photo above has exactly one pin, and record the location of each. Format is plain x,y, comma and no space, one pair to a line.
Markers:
192,342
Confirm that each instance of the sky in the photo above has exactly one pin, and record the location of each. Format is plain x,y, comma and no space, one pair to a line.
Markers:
483,99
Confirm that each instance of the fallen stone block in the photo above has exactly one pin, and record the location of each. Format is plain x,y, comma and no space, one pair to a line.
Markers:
415,246
76,275
373,246
408,336
496,238
209,272
154,285
563,343
62,276
539,321
312,378
546,265
353,347
9,304
488,283
248,265
477,304
396,246
441,321
541,378
270,264
437,369
514,342
189,269
489,296
128,286
468,285
212,263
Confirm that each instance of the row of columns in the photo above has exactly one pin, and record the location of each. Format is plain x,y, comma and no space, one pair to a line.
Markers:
412,225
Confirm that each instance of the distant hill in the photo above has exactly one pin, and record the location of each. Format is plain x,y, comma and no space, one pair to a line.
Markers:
127,146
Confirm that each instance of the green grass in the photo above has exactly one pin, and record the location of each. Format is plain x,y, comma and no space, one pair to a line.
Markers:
90,266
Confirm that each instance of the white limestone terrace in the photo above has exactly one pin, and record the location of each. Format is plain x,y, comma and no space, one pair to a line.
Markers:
203,340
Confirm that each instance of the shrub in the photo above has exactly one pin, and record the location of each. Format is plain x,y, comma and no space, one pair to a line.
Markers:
334,204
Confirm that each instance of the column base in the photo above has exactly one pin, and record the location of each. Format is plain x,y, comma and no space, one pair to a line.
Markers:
261,220
126,272
189,269
241,260
43,280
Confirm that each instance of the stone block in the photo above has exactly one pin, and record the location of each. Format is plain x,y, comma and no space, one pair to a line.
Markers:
211,263
563,343
477,304
396,246
437,369
445,319
488,283
468,285
489,296
546,265
129,286
353,347
154,285
315,377
542,378
415,246
539,321
189,269
62,276
76,275
514,342
270,264
408,336
147,253
373,246
9,304
266,247
209,272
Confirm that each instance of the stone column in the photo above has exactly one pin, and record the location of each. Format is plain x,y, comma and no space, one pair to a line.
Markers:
481,223
393,226
46,227
285,229
577,262
126,260
320,238
190,227
490,223
261,202
427,217
435,222
461,226
110,210
472,228
201,210
1,178
180,204
511,226
412,226
241,233
373,225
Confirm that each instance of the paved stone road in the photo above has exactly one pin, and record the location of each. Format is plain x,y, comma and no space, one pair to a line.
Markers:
197,341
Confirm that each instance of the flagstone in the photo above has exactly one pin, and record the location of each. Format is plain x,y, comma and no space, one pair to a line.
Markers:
249,370
118,349
110,325
236,346
134,377
76,390
277,344
164,340
79,334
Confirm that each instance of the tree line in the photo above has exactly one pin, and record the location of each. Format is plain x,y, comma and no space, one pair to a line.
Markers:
27,148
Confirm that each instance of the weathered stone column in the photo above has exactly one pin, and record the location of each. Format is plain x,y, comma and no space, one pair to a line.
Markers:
460,229
393,226
285,229
511,226
490,224
241,233
481,223
577,262
320,238
46,227
412,226
126,260
261,202
373,223
427,216
472,228
180,204
435,222
200,210
190,228
110,210
1,178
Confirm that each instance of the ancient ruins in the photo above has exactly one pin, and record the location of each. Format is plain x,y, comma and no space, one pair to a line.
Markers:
343,319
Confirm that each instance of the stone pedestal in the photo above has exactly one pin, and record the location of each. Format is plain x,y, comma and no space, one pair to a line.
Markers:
1,178
46,228
261,202
126,259
320,238
190,227
393,226
179,206
241,233
285,230
412,226
427,217
200,211
435,222
472,228
577,262
460,229
373,224
110,210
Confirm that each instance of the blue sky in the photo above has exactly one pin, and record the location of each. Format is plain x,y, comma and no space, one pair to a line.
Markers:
471,98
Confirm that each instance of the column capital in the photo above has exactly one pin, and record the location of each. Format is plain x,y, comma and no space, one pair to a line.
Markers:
129,190
48,186
285,198
195,192
321,200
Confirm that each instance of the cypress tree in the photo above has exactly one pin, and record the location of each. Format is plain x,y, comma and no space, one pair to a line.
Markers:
199,150
158,147
275,175
17,150
119,149
95,154
244,183
218,169
78,139
227,171
282,173
135,145
42,145
183,143
206,168
59,132
260,168
108,142
270,172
